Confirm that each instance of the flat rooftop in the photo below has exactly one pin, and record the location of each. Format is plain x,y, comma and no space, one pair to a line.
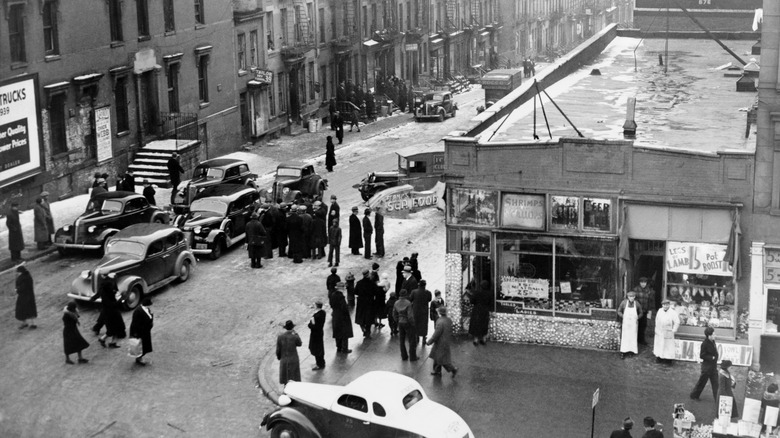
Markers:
692,106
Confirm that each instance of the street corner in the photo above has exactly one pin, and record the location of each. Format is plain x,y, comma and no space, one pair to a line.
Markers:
266,373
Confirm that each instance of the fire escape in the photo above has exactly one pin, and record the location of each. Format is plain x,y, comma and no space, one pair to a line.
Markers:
391,29
350,32
296,36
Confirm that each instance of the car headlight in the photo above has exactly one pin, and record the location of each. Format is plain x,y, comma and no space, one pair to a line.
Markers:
270,191
66,228
85,274
284,400
196,230
91,229
286,190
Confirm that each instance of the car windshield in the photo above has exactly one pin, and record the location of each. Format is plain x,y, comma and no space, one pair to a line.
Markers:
111,206
208,207
208,173
94,205
125,247
288,172
412,398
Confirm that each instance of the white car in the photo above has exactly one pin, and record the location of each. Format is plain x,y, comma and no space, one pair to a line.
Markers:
376,404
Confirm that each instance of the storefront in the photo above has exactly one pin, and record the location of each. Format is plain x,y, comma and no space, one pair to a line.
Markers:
557,270
765,304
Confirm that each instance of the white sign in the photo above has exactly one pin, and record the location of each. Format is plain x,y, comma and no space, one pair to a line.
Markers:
103,133
525,287
770,416
20,148
697,258
738,354
411,47
724,407
595,398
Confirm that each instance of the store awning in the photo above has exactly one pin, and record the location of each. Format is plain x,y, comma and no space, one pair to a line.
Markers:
436,41
484,34
371,43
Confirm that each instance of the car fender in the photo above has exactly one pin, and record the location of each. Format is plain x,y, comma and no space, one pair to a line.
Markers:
324,182
179,220
161,214
213,234
185,255
107,232
293,416
124,284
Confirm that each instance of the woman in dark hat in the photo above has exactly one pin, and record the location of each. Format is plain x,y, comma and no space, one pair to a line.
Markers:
330,153
287,344
26,310
73,342
726,384
141,328
480,314
110,314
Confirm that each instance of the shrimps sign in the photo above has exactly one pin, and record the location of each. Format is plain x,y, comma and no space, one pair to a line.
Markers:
697,258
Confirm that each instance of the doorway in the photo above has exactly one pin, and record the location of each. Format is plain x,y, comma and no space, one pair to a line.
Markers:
647,260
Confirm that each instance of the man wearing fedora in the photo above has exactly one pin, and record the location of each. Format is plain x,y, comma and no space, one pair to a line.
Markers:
409,283
355,232
255,238
287,344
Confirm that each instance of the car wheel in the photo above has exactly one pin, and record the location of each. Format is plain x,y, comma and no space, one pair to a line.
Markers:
219,245
158,220
284,429
133,297
62,251
441,115
184,271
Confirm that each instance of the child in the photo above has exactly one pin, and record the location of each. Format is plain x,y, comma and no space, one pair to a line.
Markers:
389,312
350,289
726,385
437,302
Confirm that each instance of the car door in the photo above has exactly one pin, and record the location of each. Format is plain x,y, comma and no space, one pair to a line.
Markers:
173,244
134,212
237,215
351,417
307,173
154,265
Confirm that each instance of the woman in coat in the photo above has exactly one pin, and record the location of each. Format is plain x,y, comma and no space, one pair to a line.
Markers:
480,313
420,298
316,338
15,236
72,340
342,325
141,328
110,314
26,310
726,385
287,344
383,286
441,339
42,236
330,153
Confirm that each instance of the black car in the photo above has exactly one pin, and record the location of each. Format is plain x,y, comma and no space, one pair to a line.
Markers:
296,182
106,214
210,173
217,218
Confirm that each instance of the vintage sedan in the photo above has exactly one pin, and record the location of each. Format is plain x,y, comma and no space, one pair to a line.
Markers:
376,404
437,106
106,214
217,218
295,182
210,173
143,258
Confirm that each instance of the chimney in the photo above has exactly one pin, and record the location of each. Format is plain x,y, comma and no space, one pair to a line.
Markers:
629,128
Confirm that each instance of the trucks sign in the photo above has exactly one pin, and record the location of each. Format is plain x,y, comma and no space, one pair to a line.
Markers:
20,145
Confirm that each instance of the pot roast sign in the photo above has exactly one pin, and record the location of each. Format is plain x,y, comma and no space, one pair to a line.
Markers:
697,258
401,200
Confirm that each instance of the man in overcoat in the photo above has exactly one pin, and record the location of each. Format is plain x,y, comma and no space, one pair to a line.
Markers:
334,242
441,339
316,341
255,239
15,237
333,211
420,298
280,227
368,230
42,237
26,309
141,328
355,237
379,232
307,223
295,232
287,344
319,231
267,219
174,173
364,311
342,326
403,314
409,283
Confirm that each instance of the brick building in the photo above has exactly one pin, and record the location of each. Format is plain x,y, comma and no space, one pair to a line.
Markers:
715,15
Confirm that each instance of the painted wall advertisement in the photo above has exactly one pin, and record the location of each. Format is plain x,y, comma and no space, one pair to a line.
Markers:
523,211
20,146
103,131
697,258
517,287
401,200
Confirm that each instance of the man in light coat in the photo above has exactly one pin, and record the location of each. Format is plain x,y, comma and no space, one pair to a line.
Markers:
666,324
442,341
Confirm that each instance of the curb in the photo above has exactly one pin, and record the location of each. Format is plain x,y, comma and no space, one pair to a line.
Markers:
270,390
7,265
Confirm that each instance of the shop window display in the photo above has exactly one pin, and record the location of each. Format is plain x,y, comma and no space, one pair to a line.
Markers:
560,276
472,207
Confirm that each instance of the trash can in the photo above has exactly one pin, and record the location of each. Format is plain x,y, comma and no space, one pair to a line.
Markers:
383,110
314,125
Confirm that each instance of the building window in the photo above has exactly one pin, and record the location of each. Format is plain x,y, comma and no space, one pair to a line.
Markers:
281,89
51,44
173,87
322,25
121,104
272,97
324,82
333,28
16,33
57,125
283,25
241,52
142,10
115,20
170,23
203,78
253,49
310,71
365,22
269,34
199,17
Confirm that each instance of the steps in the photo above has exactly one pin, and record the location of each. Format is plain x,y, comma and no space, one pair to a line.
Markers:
151,162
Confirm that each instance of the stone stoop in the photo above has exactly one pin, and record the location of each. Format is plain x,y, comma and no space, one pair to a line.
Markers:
151,164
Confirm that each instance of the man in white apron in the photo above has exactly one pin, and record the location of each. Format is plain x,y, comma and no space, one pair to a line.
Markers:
629,312
666,324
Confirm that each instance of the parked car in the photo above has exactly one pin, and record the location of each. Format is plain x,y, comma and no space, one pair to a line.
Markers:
296,182
144,258
210,173
217,218
377,181
106,214
439,106
376,404
420,165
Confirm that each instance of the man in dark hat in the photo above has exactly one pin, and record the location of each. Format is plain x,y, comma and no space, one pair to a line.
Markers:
149,192
623,432
332,280
333,211
174,173
295,232
379,232
708,353
287,344
128,182
403,314
368,231
355,238
316,339
15,237
645,296
410,282
255,238
364,311
141,328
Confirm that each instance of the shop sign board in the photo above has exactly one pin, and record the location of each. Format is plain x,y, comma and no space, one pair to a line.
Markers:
103,133
401,200
525,287
20,134
772,265
738,354
523,211
264,76
564,212
697,258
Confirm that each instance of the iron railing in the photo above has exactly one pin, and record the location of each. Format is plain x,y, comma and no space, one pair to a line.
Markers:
178,126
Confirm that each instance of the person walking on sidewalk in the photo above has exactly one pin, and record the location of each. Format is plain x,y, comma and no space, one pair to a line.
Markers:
42,237
334,242
316,338
368,230
287,344
354,119
109,314
174,173
420,298
708,353
629,313
330,153
342,326
402,312
364,311
141,328
15,237
72,341
441,339
379,232
355,238
645,296
339,123
26,310
437,302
